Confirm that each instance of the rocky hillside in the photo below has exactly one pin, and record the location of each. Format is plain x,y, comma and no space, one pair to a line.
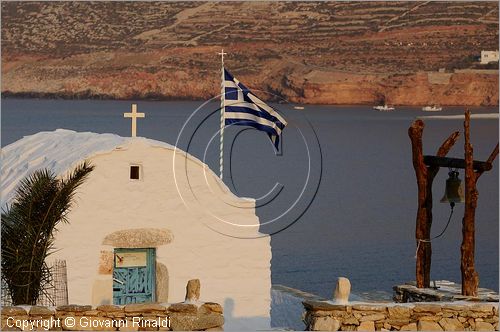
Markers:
312,52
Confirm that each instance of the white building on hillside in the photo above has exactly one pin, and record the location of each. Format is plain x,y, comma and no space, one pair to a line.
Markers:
489,56
144,223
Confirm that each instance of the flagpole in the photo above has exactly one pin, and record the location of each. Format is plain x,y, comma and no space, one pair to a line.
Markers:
222,121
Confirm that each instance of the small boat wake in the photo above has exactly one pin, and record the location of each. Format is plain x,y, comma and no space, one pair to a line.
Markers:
384,108
432,108
460,116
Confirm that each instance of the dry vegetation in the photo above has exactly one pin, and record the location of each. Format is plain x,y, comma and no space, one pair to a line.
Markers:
57,47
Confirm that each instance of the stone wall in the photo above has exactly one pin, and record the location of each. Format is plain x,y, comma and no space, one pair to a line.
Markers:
132,317
458,316
442,290
287,308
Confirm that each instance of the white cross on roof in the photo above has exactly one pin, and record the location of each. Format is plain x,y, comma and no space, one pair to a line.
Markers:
134,115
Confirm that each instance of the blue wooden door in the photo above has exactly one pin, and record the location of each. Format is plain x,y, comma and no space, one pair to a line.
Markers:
134,276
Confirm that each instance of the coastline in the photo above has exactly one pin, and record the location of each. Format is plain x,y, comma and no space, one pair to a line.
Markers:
458,88
306,53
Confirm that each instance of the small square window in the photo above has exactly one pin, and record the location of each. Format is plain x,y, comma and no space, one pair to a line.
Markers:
134,172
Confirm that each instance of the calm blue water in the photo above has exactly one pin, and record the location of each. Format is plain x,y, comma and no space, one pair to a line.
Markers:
360,222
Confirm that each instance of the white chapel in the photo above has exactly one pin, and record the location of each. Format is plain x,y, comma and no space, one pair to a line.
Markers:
149,218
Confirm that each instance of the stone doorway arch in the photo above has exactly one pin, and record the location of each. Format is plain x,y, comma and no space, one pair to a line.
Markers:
128,239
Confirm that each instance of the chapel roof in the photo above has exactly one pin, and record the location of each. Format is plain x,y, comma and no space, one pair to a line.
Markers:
56,150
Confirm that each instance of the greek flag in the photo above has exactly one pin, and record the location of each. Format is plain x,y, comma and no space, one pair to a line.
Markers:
243,108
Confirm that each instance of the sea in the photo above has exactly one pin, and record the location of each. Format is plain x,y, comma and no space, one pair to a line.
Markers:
339,197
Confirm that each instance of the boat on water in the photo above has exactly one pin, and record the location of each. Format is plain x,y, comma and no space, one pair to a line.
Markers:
432,108
384,108
298,107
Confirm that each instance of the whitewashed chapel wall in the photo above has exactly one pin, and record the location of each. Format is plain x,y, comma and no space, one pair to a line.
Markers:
233,271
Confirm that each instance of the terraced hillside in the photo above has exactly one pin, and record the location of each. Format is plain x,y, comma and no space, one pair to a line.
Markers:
316,52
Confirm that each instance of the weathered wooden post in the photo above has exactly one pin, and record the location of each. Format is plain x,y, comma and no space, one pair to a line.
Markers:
470,278
425,176
426,168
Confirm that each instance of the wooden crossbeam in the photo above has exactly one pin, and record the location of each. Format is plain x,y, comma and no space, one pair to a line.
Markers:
480,166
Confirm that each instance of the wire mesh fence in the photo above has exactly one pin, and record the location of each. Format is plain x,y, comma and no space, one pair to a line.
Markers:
54,292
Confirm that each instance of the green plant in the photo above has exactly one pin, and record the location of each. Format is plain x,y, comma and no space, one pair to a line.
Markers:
42,201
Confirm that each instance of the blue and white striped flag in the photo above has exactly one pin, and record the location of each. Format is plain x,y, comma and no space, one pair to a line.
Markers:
243,108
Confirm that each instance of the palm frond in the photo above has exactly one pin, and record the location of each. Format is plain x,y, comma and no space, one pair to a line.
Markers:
28,226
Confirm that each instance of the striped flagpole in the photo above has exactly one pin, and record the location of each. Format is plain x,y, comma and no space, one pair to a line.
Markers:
222,124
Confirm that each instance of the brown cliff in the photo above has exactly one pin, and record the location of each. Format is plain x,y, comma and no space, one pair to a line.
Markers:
327,52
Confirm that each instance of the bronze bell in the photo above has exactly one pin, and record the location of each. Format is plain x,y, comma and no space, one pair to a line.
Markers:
454,192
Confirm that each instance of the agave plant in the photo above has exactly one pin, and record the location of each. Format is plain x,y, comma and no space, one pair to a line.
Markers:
41,202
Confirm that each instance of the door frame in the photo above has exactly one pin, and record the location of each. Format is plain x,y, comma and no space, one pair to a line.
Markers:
150,264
